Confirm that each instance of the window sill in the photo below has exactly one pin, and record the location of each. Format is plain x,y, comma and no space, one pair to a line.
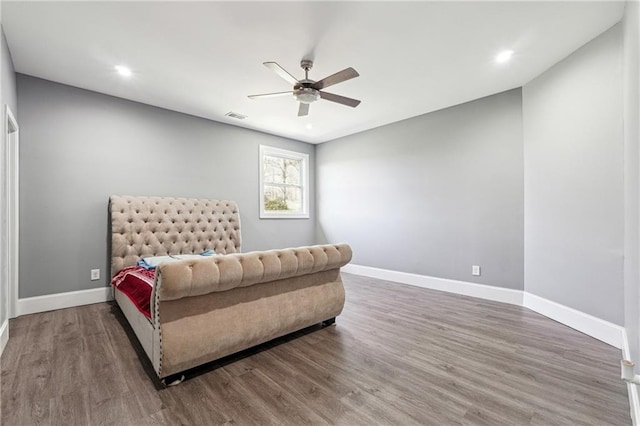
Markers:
284,215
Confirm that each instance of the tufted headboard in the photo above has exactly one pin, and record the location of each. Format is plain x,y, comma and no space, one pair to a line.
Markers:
157,226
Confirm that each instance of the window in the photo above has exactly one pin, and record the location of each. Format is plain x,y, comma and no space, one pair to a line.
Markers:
284,183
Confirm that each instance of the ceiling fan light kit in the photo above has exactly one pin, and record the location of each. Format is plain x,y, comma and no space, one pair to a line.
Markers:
308,91
306,95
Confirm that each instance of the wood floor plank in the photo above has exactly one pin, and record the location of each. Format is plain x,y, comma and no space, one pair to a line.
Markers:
70,409
231,400
398,355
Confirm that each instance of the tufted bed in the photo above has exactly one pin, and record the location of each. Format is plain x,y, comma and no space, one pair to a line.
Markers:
204,308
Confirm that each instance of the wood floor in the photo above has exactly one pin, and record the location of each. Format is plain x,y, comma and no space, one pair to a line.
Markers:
398,355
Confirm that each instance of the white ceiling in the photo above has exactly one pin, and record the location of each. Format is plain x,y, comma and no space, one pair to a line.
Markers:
204,58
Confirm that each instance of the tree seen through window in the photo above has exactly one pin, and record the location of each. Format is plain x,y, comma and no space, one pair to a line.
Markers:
282,184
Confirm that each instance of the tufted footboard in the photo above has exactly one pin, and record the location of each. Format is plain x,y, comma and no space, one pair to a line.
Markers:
207,309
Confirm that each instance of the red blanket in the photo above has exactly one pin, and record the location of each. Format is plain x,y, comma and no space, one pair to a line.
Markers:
136,283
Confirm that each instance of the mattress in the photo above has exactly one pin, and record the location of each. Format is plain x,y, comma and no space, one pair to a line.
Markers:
136,283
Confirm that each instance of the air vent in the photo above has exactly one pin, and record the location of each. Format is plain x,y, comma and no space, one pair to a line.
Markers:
235,115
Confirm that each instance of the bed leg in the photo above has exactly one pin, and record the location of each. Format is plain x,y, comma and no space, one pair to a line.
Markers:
328,322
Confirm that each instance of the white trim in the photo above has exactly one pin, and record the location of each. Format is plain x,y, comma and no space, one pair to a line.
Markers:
304,185
605,331
632,389
498,294
4,335
12,164
592,326
50,302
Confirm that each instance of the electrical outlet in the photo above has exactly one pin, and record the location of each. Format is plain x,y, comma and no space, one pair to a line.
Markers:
475,270
95,274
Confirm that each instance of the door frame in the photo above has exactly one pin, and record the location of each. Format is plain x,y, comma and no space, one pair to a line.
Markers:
11,167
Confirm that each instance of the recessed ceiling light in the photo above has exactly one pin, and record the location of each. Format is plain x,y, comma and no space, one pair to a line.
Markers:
504,56
123,71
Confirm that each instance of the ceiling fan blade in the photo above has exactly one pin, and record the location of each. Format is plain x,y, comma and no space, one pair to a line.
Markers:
339,77
303,110
340,99
273,66
270,95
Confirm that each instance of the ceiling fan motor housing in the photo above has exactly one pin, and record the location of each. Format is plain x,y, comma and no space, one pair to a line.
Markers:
303,92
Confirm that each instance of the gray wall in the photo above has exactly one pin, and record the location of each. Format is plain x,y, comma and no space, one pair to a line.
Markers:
432,195
78,147
631,71
574,198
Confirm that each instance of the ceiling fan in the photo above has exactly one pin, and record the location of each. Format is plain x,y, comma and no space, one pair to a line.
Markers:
308,91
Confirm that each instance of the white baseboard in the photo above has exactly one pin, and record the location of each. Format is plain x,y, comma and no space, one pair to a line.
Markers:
600,329
632,390
4,335
605,331
50,302
498,294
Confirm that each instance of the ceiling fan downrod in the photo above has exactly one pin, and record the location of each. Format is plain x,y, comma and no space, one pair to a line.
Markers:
306,65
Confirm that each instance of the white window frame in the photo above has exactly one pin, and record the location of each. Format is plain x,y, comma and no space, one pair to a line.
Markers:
304,183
